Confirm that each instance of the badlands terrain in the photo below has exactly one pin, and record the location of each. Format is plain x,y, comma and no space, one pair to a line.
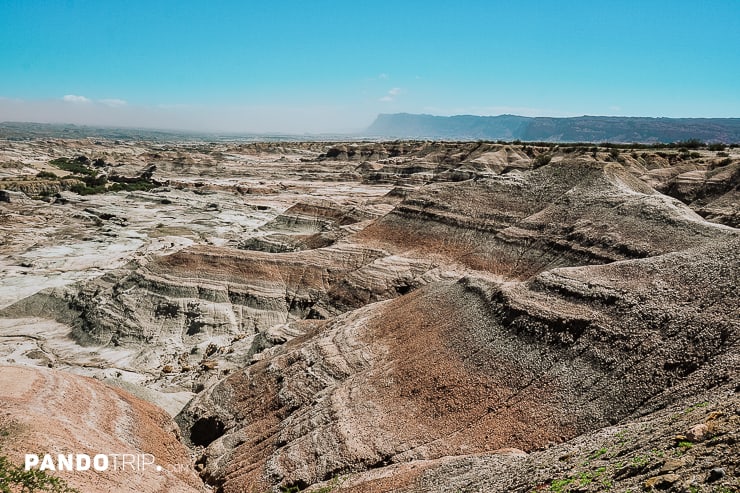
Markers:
373,316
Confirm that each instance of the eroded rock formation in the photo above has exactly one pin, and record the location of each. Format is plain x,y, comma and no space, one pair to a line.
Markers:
405,316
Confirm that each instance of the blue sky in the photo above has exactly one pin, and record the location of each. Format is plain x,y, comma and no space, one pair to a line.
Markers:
332,66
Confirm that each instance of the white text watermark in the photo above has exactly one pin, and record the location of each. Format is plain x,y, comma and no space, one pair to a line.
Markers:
97,462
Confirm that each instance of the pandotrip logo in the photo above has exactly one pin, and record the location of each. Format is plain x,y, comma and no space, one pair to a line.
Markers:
134,463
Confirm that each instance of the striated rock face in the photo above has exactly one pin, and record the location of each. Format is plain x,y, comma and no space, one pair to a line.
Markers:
629,457
474,366
40,188
307,225
713,192
201,311
565,213
401,316
52,412
170,308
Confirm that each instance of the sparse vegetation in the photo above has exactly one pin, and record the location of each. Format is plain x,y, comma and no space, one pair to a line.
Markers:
16,479
141,185
333,484
582,480
76,166
92,185
698,405
46,175
622,437
691,144
94,182
290,489
542,160
639,460
85,190
598,453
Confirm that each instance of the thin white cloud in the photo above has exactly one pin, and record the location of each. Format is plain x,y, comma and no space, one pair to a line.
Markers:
391,96
113,102
72,98
383,76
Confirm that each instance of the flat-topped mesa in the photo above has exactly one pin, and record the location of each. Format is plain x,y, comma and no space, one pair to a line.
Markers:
571,129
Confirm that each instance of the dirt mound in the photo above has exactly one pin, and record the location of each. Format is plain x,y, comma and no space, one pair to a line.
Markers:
52,412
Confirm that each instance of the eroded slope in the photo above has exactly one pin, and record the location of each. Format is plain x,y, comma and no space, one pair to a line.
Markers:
53,412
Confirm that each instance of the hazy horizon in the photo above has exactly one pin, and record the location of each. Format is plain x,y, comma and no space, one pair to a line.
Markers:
312,68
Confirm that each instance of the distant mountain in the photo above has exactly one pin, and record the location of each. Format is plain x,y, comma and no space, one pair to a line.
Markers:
578,129
29,130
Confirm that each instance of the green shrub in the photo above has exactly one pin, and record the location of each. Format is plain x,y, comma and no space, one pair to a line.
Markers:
46,175
542,160
141,185
72,165
691,144
95,181
15,478
85,190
